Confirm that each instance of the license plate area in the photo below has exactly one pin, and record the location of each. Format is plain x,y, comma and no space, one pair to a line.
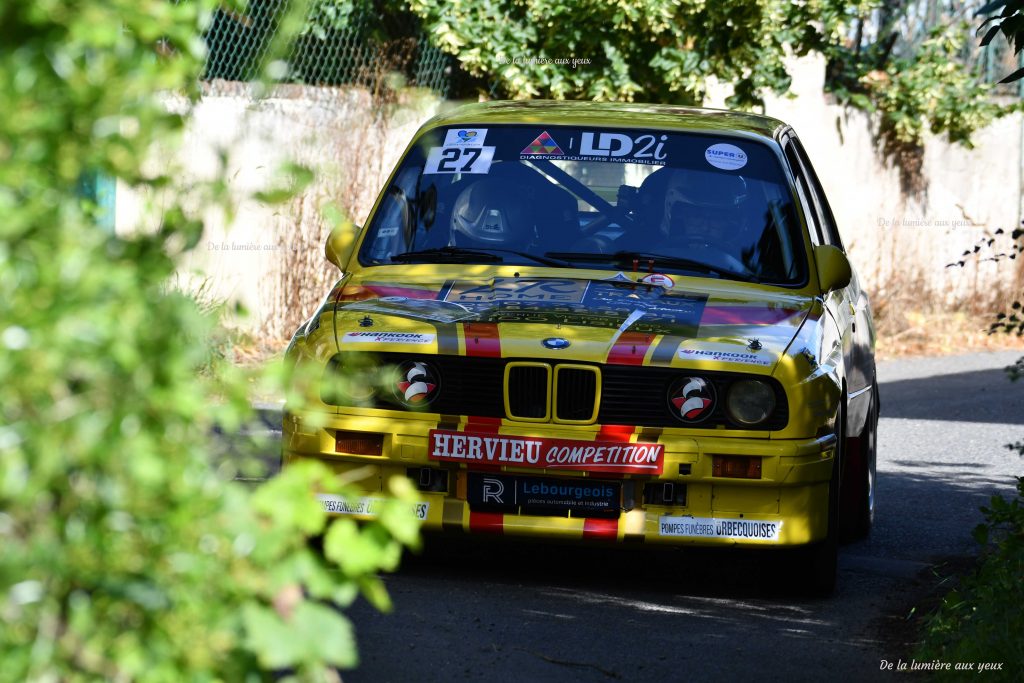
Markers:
528,495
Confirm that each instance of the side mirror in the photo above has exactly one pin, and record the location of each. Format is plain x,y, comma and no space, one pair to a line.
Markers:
340,242
833,268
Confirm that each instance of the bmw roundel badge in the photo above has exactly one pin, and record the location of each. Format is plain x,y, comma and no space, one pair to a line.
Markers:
555,343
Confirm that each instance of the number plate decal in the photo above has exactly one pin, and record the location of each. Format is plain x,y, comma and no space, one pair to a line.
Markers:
459,160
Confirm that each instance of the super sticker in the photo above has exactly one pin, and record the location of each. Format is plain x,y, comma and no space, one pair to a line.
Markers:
725,156
459,160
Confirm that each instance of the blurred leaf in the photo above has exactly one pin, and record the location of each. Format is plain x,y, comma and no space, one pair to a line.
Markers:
315,633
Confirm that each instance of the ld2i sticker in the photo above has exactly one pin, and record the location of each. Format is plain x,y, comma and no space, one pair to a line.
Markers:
459,160
620,145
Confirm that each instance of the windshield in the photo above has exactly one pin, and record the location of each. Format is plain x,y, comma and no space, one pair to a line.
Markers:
580,197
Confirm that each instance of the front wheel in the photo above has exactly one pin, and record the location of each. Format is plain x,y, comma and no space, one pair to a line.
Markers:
820,561
860,513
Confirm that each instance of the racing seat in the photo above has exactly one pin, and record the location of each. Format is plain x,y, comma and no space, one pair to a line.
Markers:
550,211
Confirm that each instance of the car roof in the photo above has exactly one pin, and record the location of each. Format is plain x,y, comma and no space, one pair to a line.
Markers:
605,114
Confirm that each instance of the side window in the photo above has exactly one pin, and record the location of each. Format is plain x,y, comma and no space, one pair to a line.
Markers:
810,210
828,221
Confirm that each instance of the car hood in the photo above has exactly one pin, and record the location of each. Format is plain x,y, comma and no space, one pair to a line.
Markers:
617,320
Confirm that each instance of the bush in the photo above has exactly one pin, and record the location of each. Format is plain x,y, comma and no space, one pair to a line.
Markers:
127,555
982,621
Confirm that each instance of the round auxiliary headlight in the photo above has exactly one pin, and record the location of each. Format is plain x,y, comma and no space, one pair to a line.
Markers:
691,399
750,401
416,384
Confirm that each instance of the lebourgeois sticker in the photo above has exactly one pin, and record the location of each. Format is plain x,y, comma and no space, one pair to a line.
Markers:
725,156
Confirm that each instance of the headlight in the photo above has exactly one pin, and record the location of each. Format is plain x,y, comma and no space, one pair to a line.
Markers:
350,379
750,401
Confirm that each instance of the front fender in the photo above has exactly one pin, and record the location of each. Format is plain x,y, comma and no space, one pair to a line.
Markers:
812,371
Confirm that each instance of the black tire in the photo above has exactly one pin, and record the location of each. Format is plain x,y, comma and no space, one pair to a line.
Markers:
820,561
859,517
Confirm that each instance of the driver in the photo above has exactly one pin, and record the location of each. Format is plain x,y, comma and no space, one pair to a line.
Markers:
701,217
490,213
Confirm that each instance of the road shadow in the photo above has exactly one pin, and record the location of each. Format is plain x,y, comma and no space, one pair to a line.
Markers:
977,396
923,516
603,568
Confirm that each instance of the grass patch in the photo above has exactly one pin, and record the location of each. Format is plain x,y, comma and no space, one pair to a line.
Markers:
934,333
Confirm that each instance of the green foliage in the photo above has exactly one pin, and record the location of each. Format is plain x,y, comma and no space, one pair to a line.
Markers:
630,50
981,621
927,91
648,50
333,15
662,51
127,554
1010,22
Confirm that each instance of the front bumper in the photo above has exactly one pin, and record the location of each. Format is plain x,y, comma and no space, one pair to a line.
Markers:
786,506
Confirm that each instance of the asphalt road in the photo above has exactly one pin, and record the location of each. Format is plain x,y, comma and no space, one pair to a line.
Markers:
477,611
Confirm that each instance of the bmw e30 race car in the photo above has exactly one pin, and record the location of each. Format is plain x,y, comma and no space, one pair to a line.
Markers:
600,321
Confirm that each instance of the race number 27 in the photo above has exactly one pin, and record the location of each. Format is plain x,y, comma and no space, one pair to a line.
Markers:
459,160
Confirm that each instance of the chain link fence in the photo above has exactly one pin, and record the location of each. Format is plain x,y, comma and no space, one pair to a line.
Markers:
342,44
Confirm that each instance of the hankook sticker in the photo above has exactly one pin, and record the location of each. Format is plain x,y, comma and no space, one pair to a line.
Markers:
709,527
721,356
389,337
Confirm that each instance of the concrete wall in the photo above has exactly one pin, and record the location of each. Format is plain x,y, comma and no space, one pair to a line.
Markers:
254,256
967,193
269,257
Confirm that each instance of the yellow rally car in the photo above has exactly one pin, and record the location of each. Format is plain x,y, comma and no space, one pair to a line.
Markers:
600,321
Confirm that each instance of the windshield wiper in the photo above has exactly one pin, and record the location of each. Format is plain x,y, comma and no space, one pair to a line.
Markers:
626,258
464,254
